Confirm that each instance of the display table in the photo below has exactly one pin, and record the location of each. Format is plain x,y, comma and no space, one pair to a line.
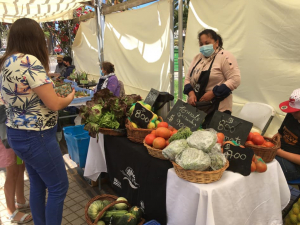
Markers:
257,199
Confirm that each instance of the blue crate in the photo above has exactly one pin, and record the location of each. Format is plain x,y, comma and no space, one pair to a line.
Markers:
78,141
69,81
152,222
84,99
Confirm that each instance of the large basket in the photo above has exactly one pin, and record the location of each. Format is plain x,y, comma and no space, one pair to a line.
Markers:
201,177
112,132
104,197
266,153
154,152
137,134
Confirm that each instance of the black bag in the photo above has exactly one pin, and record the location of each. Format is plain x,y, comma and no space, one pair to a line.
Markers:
208,107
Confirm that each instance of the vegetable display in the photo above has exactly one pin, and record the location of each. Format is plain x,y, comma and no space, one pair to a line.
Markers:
106,111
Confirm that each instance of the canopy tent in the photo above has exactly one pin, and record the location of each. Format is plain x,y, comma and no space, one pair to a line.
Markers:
39,10
264,39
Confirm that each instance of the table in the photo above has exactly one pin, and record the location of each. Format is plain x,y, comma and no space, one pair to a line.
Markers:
87,85
256,199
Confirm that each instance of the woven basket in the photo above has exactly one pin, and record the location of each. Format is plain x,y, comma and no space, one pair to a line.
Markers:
137,134
266,153
201,177
112,132
154,152
104,197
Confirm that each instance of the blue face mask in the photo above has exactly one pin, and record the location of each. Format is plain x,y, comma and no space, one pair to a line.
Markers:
102,74
207,50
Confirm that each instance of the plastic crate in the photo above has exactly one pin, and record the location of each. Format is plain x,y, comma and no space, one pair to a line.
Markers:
83,99
78,141
69,81
152,222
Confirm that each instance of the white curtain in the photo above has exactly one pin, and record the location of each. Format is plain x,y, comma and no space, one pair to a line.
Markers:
137,42
263,36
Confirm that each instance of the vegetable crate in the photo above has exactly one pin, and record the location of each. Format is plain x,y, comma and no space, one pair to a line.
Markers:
69,81
83,99
78,141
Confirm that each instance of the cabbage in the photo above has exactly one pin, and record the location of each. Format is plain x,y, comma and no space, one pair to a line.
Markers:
174,148
203,140
94,209
218,160
193,159
216,148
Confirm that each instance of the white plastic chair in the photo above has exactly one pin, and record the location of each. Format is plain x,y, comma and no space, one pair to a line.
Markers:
259,114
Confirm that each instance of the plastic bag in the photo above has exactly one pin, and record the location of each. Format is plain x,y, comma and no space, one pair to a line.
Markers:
193,159
218,160
203,140
174,148
216,148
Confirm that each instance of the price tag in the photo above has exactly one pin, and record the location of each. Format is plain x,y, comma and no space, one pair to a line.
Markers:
185,115
151,97
234,129
240,159
141,116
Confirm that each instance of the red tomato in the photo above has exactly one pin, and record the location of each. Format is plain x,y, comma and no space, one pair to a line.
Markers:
249,143
258,139
159,143
250,136
167,142
149,139
261,167
220,138
253,166
153,133
256,133
163,124
163,132
269,144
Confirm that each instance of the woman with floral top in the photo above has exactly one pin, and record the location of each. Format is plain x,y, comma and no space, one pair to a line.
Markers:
31,107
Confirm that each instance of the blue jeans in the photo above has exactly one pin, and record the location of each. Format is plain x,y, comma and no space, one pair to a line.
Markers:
291,171
46,169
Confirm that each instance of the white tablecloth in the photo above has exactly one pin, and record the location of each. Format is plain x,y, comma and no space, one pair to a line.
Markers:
256,199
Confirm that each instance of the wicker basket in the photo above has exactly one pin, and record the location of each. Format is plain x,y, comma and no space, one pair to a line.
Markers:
154,152
201,177
112,132
266,153
137,134
104,197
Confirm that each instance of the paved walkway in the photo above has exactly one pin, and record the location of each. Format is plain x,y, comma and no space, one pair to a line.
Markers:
78,195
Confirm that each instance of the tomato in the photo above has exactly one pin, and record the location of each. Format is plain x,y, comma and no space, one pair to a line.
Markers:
269,144
258,139
167,142
174,131
171,128
249,143
261,167
256,133
220,138
254,158
149,139
159,143
163,124
250,136
163,132
153,132
253,166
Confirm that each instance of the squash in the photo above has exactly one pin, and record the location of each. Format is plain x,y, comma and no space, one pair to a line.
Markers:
127,219
106,203
114,214
137,212
121,205
95,208
100,222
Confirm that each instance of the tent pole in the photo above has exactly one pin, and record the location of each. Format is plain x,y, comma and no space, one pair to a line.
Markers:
99,32
172,48
180,49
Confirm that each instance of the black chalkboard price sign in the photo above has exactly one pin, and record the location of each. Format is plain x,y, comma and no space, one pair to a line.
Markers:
151,97
234,129
240,159
184,115
141,116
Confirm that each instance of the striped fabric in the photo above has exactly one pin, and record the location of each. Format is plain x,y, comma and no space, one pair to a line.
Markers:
39,10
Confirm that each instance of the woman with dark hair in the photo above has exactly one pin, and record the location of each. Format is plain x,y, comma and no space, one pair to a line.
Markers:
108,79
212,76
31,107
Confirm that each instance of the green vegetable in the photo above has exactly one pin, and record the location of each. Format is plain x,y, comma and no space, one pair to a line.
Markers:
94,209
121,205
106,203
100,222
108,120
137,212
183,133
114,214
127,219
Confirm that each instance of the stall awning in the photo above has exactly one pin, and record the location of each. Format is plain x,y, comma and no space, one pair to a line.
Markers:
39,10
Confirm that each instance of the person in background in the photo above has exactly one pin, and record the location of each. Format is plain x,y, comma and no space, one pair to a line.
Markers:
288,155
14,179
69,67
32,106
60,68
108,79
212,75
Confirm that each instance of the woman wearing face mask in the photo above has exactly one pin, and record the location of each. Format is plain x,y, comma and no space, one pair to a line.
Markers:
108,79
212,76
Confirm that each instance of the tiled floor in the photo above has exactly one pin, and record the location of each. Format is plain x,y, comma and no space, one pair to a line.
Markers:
78,195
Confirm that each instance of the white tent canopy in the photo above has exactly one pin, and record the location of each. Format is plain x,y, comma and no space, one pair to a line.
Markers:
39,10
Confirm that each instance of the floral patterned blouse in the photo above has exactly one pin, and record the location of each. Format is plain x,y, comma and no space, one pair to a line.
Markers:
25,110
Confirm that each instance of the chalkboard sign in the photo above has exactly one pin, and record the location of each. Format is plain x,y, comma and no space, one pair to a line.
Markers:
141,116
151,97
184,115
234,129
240,159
